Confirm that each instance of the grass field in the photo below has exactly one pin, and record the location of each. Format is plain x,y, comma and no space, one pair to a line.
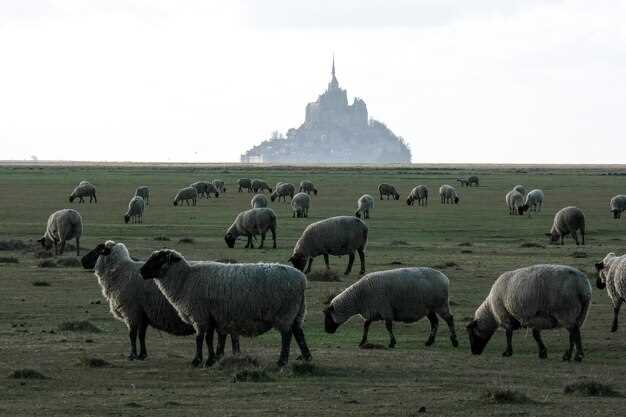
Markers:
472,243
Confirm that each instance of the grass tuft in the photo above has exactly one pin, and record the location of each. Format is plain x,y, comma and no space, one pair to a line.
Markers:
186,240
372,346
252,375
467,251
79,326
94,363
395,263
449,264
69,262
12,244
9,260
579,254
47,263
399,243
237,363
327,275
42,254
41,284
466,244
162,238
591,389
532,245
506,396
306,369
27,374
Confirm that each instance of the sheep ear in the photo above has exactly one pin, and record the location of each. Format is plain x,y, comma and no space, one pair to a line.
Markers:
472,324
173,258
599,266
43,239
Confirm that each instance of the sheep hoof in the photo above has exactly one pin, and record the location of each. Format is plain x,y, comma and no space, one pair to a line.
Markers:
281,363
454,341
392,345
209,362
543,354
196,361
614,328
430,341
578,357
132,356
305,358
507,353
567,356
142,356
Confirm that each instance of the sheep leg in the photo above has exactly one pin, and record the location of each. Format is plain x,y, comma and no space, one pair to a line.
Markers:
434,325
250,243
326,261
77,246
582,233
209,344
575,236
143,352
350,262
273,230
234,341
308,268
132,335
367,214
543,352
197,360
580,354
366,328
449,319
262,240
509,342
221,343
392,338
298,334
567,356
62,249
615,314
284,350
362,259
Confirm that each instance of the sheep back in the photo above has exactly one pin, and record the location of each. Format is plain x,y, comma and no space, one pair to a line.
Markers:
341,235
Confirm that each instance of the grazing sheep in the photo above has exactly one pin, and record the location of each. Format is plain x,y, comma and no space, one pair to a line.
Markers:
463,182
307,187
364,205
282,190
534,201
617,205
235,299
135,210
244,184
520,189
63,225
84,189
515,202
568,221
205,189
249,223
300,204
143,192
259,201
337,236
186,194
219,185
388,190
537,297
473,180
260,186
419,194
404,294
612,276
448,194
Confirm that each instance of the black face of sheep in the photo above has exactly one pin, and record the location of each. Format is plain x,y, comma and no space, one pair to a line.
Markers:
175,202
358,214
554,237
298,261
314,191
456,200
126,218
157,264
217,195
599,281
45,243
71,199
230,240
477,341
273,197
617,214
330,326
89,261
396,196
409,201
521,210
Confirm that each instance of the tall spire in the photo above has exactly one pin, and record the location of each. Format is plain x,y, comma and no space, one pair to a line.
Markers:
333,84
333,72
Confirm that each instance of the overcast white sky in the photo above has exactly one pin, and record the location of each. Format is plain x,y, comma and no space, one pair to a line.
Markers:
463,81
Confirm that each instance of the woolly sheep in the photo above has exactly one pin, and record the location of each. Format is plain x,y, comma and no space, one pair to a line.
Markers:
259,201
259,185
388,190
520,189
84,189
135,210
219,185
617,205
300,204
282,191
236,299
404,294
463,182
205,189
473,180
537,297
143,192
249,223
364,205
568,221
612,276
307,187
244,184
448,194
515,202
63,225
337,236
186,194
534,201
420,194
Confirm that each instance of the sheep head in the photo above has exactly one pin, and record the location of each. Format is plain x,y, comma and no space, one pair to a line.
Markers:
89,260
298,261
230,240
126,218
478,339
330,325
45,243
601,279
616,214
159,262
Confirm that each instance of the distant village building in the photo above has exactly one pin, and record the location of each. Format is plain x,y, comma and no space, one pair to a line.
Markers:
333,132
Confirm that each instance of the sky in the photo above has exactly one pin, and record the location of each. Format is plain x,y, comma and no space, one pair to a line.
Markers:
482,81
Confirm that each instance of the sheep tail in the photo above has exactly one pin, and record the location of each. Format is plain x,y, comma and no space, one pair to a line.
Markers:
585,301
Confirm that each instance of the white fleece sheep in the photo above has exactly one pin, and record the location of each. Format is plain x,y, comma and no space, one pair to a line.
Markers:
219,185
617,205
63,225
244,184
205,189
259,186
520,189
537,297
405,294
364,205
135,210
514,202
236,299
144,192
283,190
337,236
419,193
307,187
568,220
534,201
388,190
185,195
612,276
259,201
250,223
82,190
448,194
300,204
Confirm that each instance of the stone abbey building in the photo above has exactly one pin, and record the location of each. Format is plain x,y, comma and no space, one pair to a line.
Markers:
333,132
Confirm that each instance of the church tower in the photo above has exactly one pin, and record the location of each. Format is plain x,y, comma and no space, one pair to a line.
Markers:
333,84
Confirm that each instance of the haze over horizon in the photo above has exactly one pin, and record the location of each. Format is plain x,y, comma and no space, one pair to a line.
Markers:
489,81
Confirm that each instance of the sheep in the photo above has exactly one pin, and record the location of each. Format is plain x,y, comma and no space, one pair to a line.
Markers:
515,202
568,221
420,194
84,189
337,236
520,189
244,184
205,189
388,190
463,182
300,204
537,297
256,221
612,276
186,194
364,205
283,190
534,201
307,187
219,185
236,299
63,225
448,194
259,185
473,179
135,210
143,192
259,201
404,294
617,205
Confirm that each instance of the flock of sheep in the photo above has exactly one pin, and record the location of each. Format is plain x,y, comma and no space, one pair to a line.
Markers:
184,297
